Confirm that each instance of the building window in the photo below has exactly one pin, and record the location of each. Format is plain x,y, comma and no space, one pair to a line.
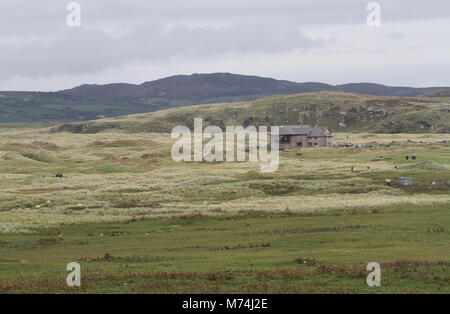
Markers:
285,139
299,144
309,143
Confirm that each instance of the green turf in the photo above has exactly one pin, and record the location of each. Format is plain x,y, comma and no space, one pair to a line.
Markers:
250,252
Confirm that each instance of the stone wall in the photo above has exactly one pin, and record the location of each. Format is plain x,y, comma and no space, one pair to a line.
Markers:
303,141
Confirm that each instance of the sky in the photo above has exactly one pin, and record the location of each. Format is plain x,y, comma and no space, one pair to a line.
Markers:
135,41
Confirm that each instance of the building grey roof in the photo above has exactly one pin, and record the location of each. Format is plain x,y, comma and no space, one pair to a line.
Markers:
319,131
304,130
294,129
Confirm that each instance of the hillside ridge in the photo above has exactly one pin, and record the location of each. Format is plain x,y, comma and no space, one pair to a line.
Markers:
339,111
93,101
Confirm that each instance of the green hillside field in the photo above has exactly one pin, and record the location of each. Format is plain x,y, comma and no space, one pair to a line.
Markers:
341,112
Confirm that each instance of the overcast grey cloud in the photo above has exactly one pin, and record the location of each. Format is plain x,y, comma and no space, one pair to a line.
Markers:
137,40
87,51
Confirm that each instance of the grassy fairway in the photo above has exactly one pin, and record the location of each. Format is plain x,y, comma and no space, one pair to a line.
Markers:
252,252
138,222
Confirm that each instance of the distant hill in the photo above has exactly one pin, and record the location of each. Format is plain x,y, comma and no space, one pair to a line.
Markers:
88,102
198,87
339,111
439,93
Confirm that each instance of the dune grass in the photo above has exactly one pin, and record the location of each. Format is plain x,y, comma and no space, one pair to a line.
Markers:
139,222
